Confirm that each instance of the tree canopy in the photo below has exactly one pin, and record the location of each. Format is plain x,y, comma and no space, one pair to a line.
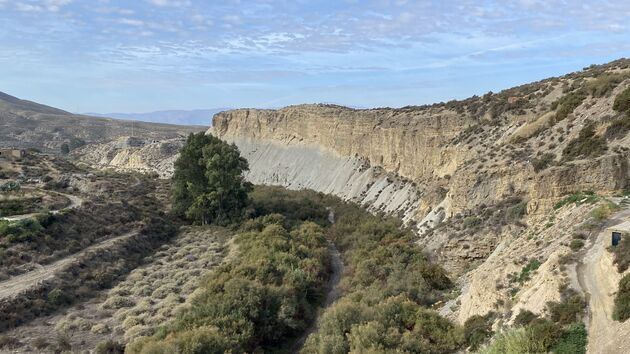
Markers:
209,186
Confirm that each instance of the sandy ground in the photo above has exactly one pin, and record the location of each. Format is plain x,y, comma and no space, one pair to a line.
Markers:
599,279
20,283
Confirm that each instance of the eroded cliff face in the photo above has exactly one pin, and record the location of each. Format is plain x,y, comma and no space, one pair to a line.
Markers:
477,178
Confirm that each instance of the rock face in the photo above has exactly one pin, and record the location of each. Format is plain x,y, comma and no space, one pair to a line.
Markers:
135,154
478,178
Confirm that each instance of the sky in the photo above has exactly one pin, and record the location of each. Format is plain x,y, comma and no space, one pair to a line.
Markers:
148,55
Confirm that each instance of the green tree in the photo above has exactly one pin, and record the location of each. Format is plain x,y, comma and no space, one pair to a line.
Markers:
65,149
209,186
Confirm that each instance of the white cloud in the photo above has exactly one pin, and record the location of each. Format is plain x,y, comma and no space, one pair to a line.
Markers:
170,3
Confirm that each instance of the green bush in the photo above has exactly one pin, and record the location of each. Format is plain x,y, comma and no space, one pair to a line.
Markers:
621,253
573,340
567,104
604,84
530,267
622,101
477,329
577,198
516,212
109,347
618,128
576,244
524,318
621,310
261,299
543,161
586,145
604,211
567,311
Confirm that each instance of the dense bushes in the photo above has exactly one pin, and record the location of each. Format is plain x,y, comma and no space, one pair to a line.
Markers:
267,295
621,311
604,84
622,101
388,282
563,333
586,145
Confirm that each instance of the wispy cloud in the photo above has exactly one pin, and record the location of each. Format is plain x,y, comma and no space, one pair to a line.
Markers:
259,48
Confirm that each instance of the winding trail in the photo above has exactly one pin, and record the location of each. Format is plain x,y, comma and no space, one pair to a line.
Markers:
75,202
333,294
599,279
16,285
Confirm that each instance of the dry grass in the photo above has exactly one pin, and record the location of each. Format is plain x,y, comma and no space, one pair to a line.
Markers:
151,295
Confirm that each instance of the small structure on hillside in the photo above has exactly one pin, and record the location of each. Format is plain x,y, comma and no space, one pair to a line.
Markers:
12,154
617,231
130,142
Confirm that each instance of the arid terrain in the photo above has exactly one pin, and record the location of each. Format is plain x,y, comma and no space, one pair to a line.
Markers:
498,211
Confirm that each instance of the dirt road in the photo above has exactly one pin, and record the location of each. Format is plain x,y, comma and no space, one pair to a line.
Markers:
75,202
599,280
20,283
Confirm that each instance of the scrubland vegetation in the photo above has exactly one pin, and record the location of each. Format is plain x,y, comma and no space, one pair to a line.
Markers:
265,296
561,333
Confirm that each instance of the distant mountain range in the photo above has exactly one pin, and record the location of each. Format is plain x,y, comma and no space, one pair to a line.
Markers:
181,117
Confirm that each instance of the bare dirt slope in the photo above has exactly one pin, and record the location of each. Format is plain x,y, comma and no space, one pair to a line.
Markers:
599,279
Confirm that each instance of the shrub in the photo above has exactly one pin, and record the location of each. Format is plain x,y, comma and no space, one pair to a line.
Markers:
622,101
109,347
621,310
576,244
543,335
543,161
577,198
604,211
618,128
586,145
604,84
40,343
524,318
7,342
476,330
621,253
573,340
58,297
567,311
516,212
567,104
530,267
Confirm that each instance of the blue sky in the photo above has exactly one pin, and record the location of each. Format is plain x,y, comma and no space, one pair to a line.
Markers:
146,55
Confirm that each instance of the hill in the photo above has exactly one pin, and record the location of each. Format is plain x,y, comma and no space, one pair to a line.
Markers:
27,124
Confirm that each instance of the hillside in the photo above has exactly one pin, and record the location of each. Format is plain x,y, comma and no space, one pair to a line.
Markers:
510,193
31,125
482,180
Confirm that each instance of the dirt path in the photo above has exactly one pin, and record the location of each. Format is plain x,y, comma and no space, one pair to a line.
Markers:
20,283
75,202
598,277
334,292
